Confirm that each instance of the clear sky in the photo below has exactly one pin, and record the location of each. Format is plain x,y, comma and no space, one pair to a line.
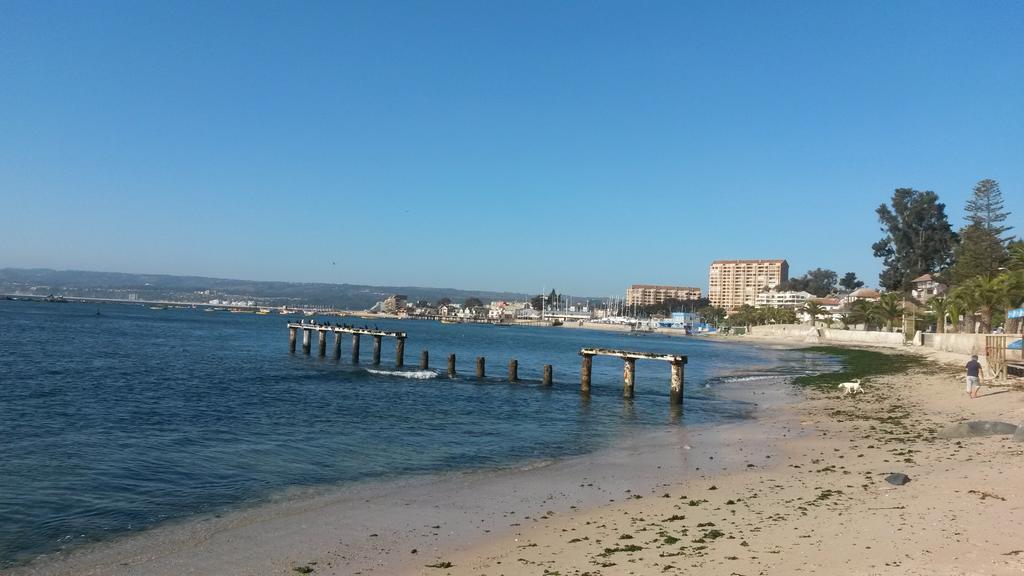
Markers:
493,145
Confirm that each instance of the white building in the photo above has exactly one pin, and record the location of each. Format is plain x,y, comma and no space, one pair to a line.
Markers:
925,288
786,299
502,310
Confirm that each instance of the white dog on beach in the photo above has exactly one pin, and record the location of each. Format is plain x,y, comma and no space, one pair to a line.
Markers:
851,387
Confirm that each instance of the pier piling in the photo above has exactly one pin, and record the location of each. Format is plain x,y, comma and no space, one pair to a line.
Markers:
676,391
480,361
376,350
628,377
425,360
588,361
339,332
400,351
547,375
513,370
451,365
629,370
355,348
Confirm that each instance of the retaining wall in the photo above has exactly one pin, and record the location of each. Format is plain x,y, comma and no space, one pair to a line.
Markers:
950,342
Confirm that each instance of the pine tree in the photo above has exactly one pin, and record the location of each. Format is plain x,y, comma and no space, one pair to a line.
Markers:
983,247
985,209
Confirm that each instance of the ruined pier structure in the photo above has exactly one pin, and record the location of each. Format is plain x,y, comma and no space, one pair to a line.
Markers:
629,370
676,361
322,330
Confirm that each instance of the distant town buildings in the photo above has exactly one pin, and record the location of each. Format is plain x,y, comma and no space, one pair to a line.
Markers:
502,310
733,283
785,299
647,294
394,304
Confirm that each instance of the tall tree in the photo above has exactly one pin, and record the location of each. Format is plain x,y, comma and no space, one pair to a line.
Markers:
983,246
472,302
850,282
985,208
918,238
820,282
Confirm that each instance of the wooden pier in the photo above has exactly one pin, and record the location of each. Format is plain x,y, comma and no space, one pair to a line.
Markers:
629,358
629,370
308,328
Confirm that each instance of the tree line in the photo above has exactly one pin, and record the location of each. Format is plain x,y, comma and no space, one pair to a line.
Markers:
981,263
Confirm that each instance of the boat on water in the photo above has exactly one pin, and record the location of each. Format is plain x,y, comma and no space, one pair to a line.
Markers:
263,311
158,307
309,312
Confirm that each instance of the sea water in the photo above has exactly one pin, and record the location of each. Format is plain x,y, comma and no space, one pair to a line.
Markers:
114,418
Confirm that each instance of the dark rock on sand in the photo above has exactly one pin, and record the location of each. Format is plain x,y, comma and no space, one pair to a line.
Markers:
977,428
897,479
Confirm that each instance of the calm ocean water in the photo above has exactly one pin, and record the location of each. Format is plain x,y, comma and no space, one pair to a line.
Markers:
115,422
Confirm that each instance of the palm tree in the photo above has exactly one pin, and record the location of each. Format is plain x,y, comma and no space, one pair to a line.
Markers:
938,305
813,310
1016,259
846,319
888,308
1014,282
860,313
989,295
961,302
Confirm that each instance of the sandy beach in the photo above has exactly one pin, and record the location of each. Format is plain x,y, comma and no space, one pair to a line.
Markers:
799,489
816,502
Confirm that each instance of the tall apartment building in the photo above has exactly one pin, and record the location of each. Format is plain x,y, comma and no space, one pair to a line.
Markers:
646,294
733,283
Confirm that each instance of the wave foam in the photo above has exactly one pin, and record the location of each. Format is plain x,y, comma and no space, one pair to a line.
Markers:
415,374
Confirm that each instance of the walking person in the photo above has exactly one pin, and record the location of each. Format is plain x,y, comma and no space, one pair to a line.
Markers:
974,372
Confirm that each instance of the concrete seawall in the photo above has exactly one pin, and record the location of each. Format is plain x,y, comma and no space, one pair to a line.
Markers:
951,342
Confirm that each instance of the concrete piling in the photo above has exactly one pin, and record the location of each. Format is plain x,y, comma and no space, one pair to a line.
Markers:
400,351
547,375
628,376
513,370
480,371
451,365
321,344
305,341
585,369
629,370
376,350
355,348
676,391
425,360
337,345
291,338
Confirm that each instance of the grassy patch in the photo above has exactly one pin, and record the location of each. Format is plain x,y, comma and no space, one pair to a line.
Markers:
857,364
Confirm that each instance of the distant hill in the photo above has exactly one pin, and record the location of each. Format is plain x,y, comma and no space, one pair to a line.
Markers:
42,281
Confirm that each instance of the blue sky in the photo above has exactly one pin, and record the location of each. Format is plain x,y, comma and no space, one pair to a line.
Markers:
493,145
